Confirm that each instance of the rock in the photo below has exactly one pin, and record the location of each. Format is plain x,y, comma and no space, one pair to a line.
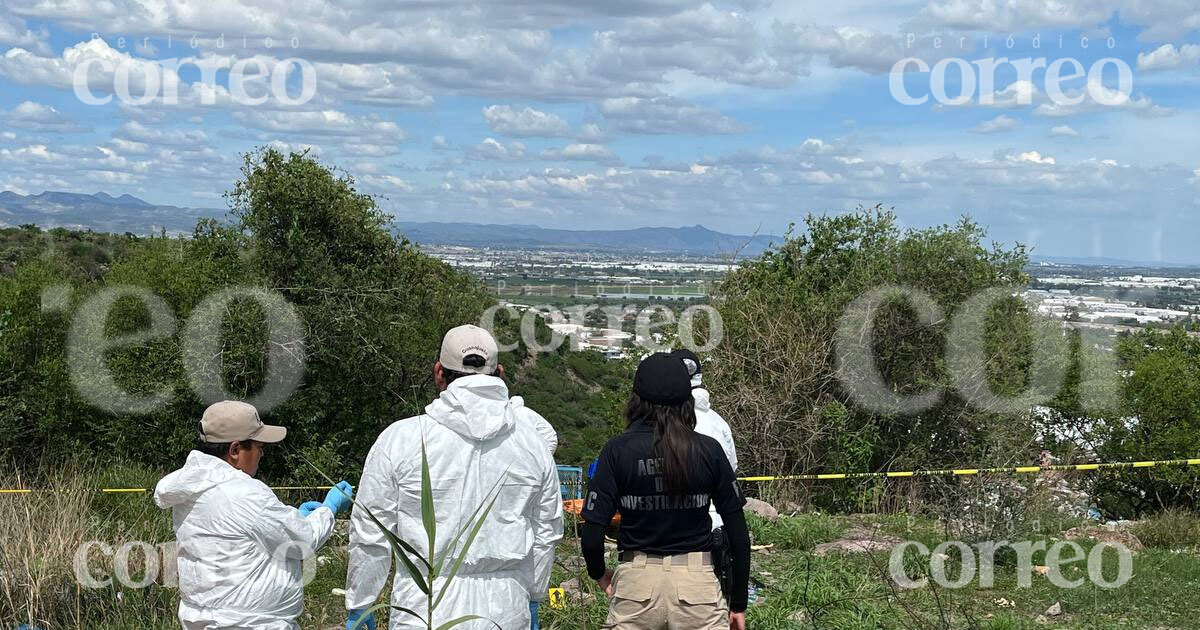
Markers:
570,586
793,508
1054,611
858,540
762,508
800,616
1103,534
572,563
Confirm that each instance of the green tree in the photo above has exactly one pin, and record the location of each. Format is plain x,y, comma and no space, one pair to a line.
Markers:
774,374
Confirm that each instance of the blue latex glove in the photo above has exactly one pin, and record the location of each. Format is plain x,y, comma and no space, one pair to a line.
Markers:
355,615
307,507
338,498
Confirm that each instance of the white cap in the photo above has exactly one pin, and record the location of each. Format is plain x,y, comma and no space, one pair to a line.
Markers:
235,421
473,342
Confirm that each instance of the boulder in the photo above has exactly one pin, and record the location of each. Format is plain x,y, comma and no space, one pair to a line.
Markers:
762,508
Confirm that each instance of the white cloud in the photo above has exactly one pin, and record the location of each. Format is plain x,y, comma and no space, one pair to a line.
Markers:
31,116
582,151
665,115
1140,105
329,122
1168,57
180,138
14,32
845,47
524,123
492,149
1063,130
1033,157
998,124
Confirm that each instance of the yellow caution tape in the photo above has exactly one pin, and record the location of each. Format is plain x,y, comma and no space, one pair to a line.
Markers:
979,471
821,476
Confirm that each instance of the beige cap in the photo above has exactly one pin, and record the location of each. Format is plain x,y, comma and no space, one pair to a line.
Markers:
464,341
234,421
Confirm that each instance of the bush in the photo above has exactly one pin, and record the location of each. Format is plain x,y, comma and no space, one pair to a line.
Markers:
1170,529
775,375
799,533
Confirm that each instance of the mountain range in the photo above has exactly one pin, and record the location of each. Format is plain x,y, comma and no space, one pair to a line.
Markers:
126,213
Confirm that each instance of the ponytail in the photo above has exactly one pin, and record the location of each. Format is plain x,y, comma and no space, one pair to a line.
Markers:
674,438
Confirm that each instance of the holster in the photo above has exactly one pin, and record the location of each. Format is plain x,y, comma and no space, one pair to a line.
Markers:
722,561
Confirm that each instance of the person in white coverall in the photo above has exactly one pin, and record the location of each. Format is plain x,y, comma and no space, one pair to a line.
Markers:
239,549
708,421
474,435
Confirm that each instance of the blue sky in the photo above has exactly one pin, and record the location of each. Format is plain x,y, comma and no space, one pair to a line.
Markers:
740,116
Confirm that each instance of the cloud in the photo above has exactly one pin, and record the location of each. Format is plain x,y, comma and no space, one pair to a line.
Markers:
31,116
136,132
492,149
665,115
845,46
14,32
1032,157
524,123
1063,130
1015,15
581,151
1096,97
998,124
384,84
330,122
1168,57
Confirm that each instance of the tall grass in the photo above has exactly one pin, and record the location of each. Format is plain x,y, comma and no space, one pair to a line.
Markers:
42,533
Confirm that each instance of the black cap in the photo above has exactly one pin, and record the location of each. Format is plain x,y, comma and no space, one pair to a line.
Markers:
662,379
690,360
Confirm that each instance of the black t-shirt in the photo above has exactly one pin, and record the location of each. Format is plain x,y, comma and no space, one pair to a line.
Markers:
629,480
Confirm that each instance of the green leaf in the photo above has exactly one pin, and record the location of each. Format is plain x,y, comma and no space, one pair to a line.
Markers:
464,619
428,518
441,557
361,623
399,547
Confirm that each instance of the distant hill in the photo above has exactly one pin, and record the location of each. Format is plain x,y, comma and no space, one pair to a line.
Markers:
100,212
696,239
104,213
1098,261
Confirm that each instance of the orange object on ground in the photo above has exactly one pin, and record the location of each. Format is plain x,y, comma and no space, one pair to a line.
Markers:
575,506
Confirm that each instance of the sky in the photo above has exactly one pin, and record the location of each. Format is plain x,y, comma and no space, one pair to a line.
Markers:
740,116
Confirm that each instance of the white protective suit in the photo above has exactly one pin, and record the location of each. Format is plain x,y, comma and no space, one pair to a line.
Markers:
474,436
543,427
239,549
710,423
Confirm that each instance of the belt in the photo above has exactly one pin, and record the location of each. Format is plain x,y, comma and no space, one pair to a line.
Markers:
678,560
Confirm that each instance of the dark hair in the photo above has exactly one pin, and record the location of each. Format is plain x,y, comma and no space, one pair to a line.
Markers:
472,360
220,449
674,438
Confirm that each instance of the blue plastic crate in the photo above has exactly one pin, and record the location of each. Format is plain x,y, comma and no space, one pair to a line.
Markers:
570,482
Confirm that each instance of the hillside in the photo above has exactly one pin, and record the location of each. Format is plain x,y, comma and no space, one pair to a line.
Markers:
105,213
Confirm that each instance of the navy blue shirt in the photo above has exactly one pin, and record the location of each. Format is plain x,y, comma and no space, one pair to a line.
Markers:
629,480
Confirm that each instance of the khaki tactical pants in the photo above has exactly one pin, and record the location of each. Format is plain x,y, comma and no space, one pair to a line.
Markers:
666,596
